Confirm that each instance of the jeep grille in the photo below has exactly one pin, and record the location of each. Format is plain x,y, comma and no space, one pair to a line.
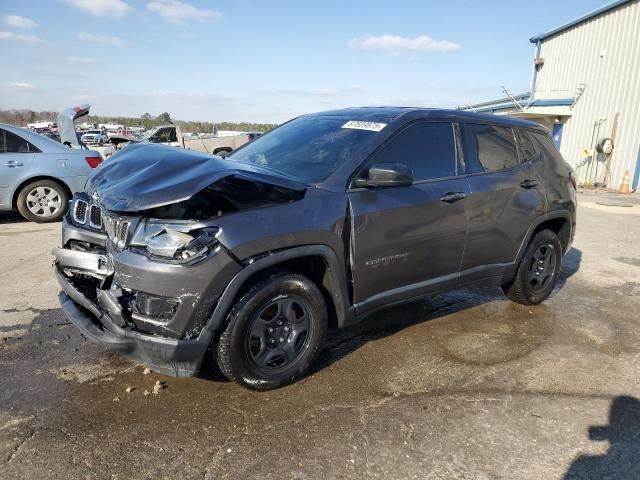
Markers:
80,212
117,230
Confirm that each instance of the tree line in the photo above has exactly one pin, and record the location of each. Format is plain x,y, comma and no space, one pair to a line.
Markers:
22,117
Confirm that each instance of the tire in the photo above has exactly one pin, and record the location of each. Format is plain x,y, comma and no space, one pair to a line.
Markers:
53,195
534,281
263,345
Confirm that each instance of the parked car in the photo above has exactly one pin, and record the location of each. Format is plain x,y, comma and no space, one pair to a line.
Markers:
172,135
52,135
169,254
38,175
253,135
94,137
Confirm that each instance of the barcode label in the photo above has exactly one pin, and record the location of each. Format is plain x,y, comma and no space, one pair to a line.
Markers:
371,126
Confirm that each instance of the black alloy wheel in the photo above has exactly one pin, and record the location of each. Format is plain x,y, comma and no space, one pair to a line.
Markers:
279,333
537,271
274,332
542,267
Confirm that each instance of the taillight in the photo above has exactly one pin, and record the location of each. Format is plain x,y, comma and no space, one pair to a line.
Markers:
93,161
573,181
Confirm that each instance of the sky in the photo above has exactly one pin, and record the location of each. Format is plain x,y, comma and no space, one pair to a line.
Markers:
267,61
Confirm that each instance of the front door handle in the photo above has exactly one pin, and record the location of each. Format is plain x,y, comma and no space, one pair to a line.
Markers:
529,183
451,197
12,164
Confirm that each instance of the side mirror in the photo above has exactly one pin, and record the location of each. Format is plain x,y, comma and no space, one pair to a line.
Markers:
383,175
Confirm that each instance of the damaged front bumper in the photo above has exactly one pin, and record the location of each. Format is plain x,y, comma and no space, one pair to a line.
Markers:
155,312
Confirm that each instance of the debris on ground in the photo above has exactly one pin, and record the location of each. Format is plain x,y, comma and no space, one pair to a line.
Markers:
116,399
130,389
159,386
146,392
146,371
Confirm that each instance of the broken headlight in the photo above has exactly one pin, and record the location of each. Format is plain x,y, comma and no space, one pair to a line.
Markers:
176,241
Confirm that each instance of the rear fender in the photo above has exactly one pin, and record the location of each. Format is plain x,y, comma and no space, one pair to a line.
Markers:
563,214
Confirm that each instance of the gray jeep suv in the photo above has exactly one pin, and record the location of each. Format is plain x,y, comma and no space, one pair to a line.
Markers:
169,254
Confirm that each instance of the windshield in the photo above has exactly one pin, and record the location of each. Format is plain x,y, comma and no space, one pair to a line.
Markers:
147,135
97,132
307,148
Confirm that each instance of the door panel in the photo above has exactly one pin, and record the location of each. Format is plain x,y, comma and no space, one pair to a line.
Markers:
13,169
500,212
15,162
502,205
406,241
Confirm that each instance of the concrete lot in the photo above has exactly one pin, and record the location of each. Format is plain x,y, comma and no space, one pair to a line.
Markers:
463,386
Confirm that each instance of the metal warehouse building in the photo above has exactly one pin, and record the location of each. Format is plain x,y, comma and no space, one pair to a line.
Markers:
585,87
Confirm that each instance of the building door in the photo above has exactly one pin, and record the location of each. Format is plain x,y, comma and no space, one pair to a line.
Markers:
557,134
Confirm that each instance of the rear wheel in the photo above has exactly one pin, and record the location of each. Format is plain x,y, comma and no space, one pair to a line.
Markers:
274,333
222,152
43,201
538,270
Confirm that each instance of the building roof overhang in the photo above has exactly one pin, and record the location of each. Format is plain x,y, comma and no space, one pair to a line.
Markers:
521,103
577,21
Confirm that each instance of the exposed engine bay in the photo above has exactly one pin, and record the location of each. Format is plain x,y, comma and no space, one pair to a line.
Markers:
151,210
231,194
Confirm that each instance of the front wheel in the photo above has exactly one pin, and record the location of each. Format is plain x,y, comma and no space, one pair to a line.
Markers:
538,270
274,333
43,201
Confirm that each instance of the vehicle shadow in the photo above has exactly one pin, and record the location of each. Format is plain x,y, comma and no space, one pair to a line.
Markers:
570,265
622,460
11,217
389,321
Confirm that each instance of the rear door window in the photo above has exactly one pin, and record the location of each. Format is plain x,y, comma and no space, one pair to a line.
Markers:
428,148
163,135
489,148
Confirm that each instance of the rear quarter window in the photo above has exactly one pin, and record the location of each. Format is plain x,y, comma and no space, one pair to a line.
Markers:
12,143
489,148
528,151
545,145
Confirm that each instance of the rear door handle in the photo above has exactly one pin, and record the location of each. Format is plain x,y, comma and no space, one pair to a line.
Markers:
451,197
12,164
529,183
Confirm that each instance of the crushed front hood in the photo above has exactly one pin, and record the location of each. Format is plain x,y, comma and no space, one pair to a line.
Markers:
144,176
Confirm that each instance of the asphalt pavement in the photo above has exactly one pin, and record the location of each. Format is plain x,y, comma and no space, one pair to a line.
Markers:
465,385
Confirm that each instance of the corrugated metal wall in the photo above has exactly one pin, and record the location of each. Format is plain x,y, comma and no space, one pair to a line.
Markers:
604,54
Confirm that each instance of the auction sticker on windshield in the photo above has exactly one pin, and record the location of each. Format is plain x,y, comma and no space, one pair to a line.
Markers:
372,126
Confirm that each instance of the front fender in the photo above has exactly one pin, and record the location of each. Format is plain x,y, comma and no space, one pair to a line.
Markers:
344,312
